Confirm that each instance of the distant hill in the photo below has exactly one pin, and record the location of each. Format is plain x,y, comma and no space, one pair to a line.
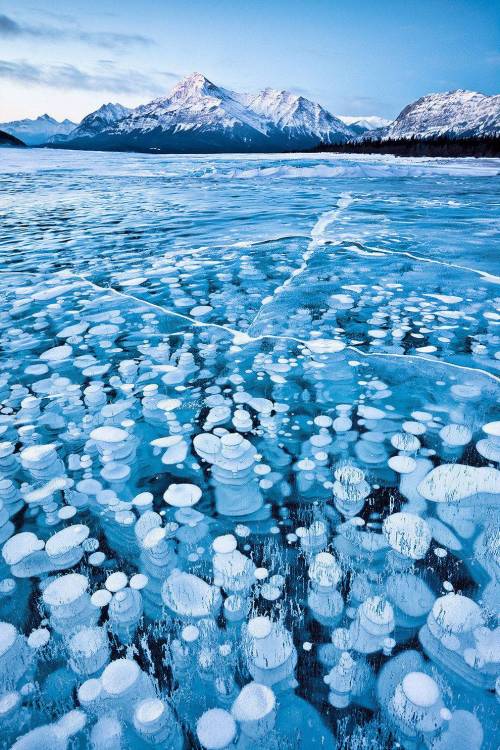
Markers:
38,131
360,125
9,141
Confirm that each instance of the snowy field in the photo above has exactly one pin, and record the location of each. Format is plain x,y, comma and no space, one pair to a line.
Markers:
249,452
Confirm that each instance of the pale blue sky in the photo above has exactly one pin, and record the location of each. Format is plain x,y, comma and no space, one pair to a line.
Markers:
355,58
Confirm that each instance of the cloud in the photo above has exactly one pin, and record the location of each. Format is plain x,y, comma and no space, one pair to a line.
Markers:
300,91
10,28
70,77
364,105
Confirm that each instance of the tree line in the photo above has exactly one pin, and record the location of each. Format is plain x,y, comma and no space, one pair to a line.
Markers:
488,146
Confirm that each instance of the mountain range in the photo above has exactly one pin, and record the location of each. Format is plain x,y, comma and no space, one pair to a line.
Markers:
38,131
197,116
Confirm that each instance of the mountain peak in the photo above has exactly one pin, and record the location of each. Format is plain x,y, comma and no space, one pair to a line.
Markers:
285,109
192,84
114,107
107,115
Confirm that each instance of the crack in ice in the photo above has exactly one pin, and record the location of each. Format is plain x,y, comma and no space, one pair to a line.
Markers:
317,239
490,277
241,338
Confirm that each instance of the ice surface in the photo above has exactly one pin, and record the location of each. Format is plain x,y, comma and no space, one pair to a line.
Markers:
249,452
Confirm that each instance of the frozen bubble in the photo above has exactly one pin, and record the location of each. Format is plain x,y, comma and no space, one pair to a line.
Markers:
440,552
408,534
224,544
216,729
8,635
109,434
148,713
402,464
370,412
119,676
261,573
7,586
143,500
451,483
259,627
190,596
66,512
9,702
138,581
492,429
456,613
323,421
116,581
326,346
57,354
190,633
101,598
35,455
20,546
455,435
200,311
182,495
38,638
66,540
420,689
66,589
153,537
254,702
97,558
414,428
405,441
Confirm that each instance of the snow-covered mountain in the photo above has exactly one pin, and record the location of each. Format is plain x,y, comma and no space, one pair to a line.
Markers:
454,113
297,116
104,117
34,132
194,104
361,124
198,116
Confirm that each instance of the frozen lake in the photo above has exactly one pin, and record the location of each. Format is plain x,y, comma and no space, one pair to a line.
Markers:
249,451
